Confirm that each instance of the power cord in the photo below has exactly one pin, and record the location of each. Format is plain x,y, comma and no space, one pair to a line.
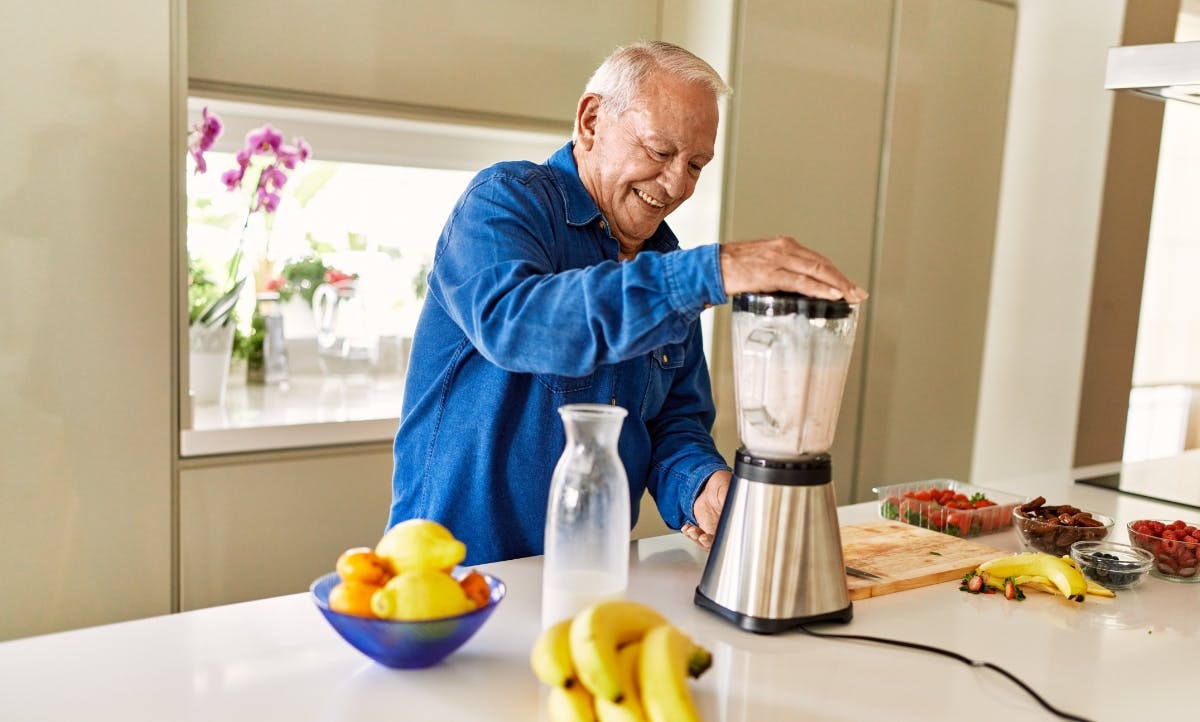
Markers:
953,655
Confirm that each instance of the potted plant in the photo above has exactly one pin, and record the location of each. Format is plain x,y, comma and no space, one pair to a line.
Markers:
262,168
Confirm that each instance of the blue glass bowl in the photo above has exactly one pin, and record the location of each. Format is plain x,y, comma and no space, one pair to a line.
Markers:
406,645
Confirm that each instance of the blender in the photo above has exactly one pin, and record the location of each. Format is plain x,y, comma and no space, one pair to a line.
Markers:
776,561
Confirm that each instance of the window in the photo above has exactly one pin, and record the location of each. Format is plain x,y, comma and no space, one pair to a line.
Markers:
369,204
366,208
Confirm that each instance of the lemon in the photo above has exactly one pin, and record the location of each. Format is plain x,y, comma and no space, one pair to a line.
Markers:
420,544
420,594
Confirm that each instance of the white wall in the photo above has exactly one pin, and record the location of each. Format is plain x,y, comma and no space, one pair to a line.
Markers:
1168,341
1058,125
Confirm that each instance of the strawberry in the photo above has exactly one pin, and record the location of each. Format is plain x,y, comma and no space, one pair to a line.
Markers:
1012,591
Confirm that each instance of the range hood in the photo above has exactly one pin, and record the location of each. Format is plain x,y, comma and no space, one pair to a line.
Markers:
1170,71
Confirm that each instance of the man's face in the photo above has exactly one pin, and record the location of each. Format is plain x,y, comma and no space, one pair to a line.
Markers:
641,165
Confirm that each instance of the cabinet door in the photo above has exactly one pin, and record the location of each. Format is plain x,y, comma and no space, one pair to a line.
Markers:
807,121
934,257
528,58
257,529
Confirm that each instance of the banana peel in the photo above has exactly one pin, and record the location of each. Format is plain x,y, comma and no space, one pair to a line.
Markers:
1065,578
1037,571
1095,588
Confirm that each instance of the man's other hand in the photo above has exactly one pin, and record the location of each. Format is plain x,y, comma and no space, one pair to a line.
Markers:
707,509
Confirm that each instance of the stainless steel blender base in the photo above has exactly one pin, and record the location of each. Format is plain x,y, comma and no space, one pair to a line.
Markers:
765,625
776,561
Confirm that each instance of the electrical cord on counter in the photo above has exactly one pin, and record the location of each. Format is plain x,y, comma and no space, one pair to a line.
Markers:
953,655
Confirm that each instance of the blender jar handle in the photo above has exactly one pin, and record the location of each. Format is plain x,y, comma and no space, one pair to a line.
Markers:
758,347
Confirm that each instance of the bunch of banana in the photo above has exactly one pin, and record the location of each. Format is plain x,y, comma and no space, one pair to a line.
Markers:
1042,572
618,661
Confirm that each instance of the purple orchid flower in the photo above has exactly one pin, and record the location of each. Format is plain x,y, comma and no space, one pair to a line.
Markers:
264,139
202,136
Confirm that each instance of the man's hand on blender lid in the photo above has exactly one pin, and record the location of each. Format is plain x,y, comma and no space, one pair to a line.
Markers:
780,263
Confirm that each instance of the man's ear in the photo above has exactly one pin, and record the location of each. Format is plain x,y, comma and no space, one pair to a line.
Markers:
586,117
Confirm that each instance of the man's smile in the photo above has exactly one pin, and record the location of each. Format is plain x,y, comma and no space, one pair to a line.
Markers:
649,199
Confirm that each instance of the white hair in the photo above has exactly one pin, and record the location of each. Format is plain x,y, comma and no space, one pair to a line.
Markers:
619,78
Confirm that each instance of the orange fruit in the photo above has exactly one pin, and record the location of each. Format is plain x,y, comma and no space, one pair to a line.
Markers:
352,598
476,588
362,564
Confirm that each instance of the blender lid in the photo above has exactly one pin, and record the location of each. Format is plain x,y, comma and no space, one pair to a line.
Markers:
783,303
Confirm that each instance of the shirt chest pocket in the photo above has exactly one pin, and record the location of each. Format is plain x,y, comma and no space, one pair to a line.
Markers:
665,362
670,357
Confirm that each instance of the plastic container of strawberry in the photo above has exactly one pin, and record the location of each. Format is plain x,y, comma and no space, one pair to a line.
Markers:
919,503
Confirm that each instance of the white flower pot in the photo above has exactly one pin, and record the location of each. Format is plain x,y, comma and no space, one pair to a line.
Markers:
209,349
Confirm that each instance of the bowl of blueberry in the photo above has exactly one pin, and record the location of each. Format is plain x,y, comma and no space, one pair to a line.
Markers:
1116,566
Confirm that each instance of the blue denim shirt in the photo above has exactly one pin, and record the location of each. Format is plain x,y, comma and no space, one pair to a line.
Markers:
528,309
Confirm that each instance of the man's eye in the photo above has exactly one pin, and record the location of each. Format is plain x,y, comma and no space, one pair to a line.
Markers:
658,154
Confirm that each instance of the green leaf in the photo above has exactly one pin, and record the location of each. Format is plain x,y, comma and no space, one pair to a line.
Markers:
218,312
313,182
318,246
356,241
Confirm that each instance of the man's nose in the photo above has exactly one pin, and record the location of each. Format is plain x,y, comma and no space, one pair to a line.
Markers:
674,178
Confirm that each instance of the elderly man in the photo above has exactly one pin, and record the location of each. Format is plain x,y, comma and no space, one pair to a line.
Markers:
561,283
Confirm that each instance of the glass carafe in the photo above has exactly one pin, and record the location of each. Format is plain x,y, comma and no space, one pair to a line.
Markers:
347,338
791,354
587,515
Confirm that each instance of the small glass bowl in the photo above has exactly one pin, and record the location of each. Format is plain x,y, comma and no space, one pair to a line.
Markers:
401,644
1174,559
1056,539
1116,566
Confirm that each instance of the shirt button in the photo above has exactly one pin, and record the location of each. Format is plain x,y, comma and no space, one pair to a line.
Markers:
664,358
603,226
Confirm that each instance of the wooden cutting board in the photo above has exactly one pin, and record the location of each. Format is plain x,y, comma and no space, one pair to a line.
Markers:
907,557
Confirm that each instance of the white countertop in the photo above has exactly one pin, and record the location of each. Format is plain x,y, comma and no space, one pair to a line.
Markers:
276,659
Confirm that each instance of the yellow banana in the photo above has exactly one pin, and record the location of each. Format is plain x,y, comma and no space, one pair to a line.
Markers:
1066,578
668,658
570,705
1094,588
1041,584
596,632
551,656
630,708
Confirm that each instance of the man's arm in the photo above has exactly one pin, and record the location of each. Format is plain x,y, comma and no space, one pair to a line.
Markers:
683,454
496,274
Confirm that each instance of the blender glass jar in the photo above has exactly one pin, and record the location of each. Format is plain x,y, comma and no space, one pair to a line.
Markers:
791,354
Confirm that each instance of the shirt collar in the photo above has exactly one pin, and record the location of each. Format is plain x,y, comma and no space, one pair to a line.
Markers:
581,208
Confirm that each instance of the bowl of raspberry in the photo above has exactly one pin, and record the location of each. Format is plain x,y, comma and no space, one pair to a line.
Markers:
1174,543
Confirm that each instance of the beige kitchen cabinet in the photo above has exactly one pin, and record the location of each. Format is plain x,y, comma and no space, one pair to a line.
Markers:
86,385
271,524
933,252
874,133
518,59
